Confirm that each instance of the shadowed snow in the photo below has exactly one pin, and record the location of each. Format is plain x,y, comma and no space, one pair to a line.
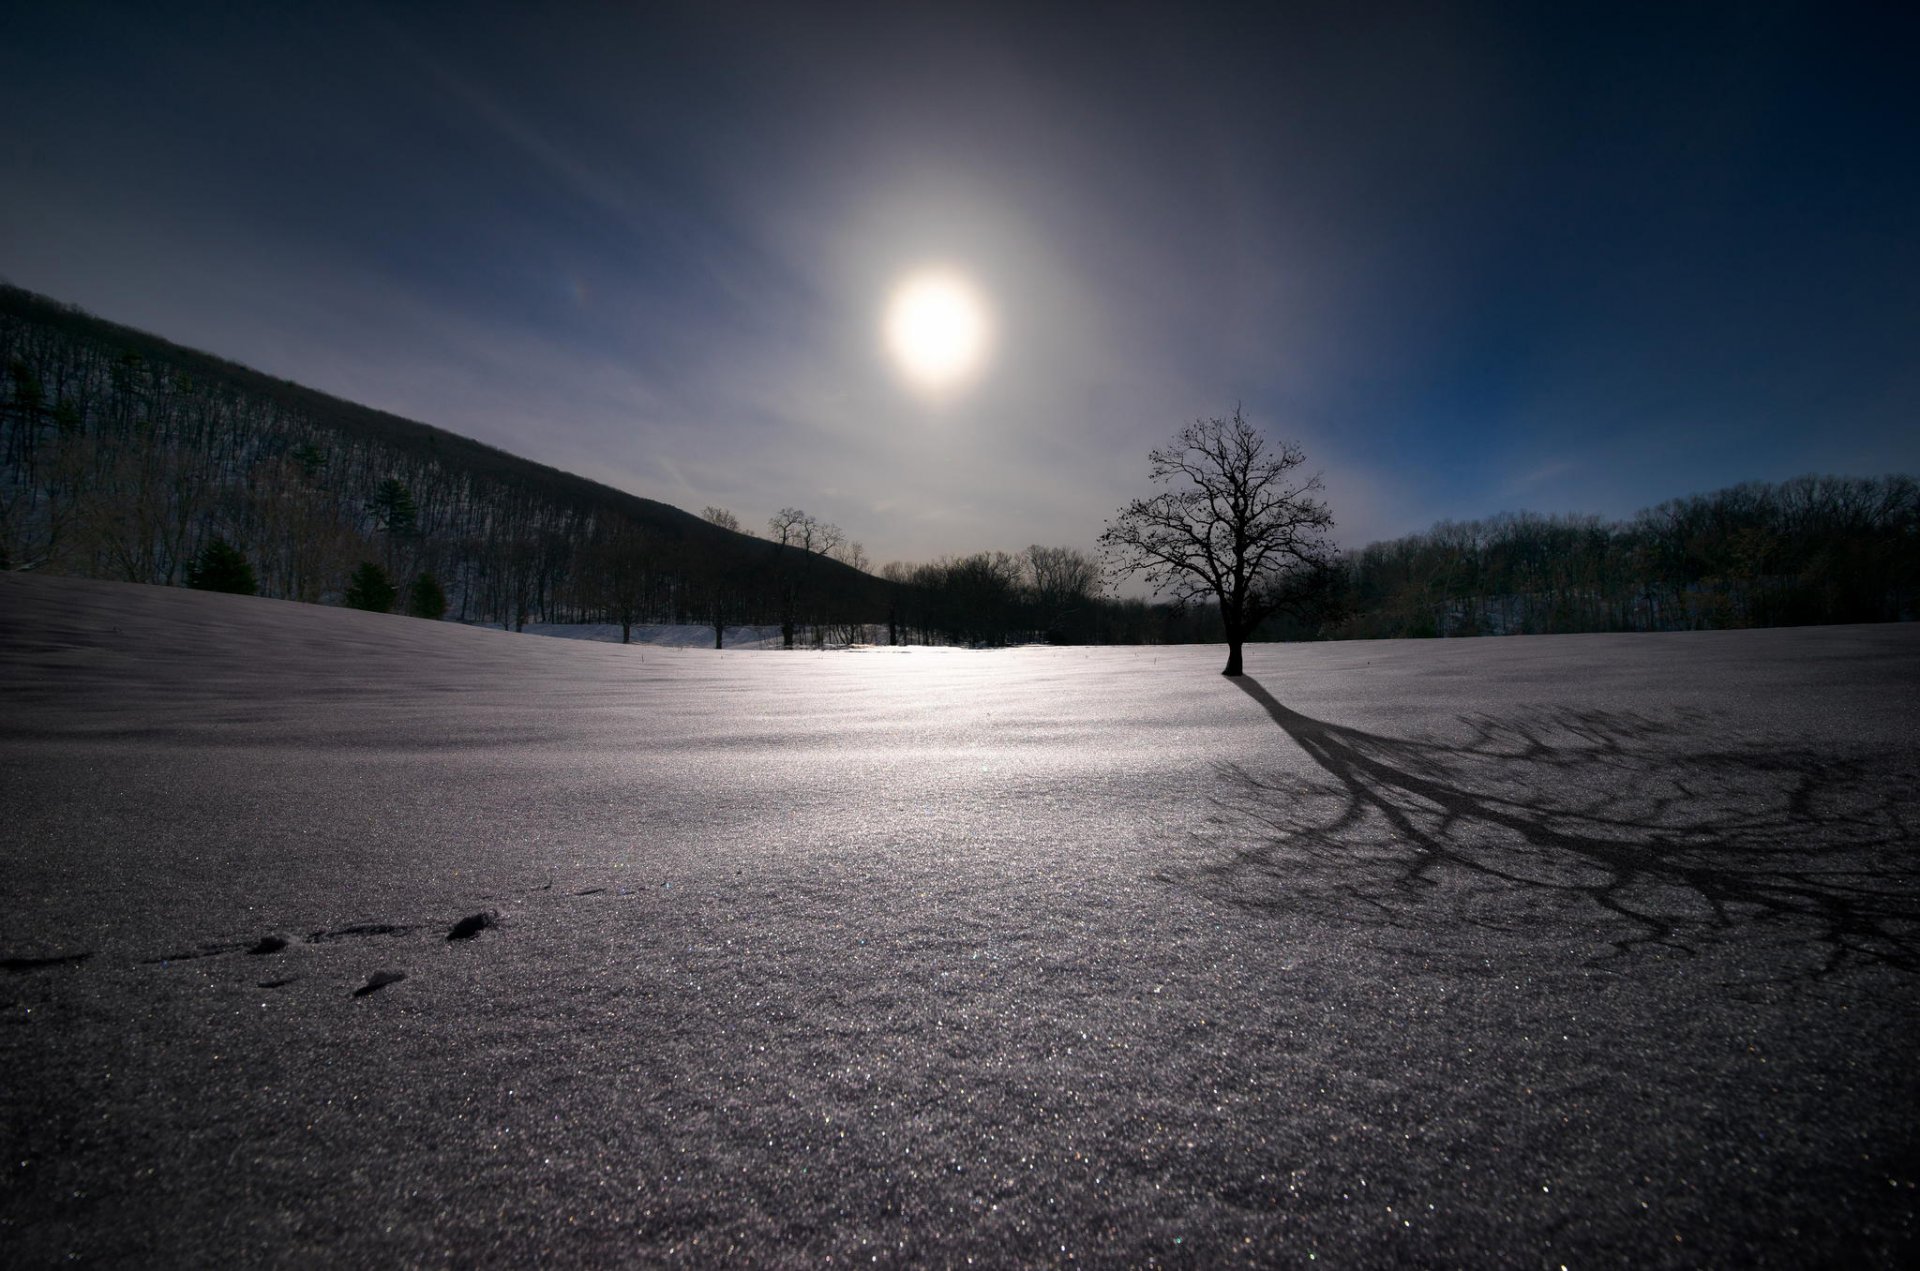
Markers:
1491,952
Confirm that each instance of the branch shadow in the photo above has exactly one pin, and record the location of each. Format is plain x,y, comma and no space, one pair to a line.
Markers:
1650,834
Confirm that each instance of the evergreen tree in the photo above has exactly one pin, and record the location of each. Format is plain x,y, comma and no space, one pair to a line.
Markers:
370,589
426,598
221,567
393,508
310,458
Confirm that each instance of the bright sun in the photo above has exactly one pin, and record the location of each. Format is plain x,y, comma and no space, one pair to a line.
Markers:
936,329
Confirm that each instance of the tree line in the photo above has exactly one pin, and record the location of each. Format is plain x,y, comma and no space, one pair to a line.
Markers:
125,456
1810,550
1237,528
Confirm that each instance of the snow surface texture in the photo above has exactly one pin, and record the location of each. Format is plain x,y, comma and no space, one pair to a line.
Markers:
1584,949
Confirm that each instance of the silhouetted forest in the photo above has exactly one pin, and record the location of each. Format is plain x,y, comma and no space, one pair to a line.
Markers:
125,456
1810,550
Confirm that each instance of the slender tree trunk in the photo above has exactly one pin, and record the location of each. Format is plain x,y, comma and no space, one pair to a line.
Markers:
1233,655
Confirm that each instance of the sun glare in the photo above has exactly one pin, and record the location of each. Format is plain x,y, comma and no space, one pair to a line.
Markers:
937,330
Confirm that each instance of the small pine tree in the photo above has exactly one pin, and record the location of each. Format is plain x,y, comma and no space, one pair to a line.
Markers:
310,458
221,567
369,589
393,508
426,598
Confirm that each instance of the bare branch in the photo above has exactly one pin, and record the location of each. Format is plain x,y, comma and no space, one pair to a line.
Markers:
1234,523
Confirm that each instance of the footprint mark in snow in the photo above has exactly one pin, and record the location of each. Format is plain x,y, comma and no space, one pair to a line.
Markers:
356,930
472,925
379,980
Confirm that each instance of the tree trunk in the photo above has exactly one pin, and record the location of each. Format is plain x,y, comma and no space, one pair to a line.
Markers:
1237,629
719,632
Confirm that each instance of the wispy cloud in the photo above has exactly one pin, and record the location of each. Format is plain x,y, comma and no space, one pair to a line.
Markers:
653,247
1536,477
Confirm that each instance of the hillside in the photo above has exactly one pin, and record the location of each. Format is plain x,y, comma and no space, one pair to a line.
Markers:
122,455
125,456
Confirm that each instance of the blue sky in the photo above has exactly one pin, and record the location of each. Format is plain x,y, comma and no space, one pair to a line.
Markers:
1476,258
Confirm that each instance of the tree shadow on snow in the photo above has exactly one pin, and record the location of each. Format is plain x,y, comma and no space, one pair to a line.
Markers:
1638,833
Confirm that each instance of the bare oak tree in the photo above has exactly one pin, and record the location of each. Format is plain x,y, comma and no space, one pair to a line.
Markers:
619,565
855,556
1236,524
790,527
794,527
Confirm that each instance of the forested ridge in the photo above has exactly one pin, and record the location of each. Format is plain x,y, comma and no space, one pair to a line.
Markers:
125,456
1810,550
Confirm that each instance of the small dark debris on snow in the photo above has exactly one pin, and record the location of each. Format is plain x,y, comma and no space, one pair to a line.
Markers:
41,964
269,944
280,984
589,891
472,925
379,980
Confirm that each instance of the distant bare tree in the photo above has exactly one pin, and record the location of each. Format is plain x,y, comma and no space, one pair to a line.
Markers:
792,527
899,576
827,539
785,526
1065,579
619,564
1235,524
853,555
715,597
308,540
721,517
847,551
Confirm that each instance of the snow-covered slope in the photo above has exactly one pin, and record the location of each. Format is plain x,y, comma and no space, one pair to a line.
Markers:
1576,949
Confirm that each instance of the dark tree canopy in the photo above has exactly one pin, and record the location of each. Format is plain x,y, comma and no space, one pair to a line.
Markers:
393,508
221,567
370,589
1235,523
426,598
